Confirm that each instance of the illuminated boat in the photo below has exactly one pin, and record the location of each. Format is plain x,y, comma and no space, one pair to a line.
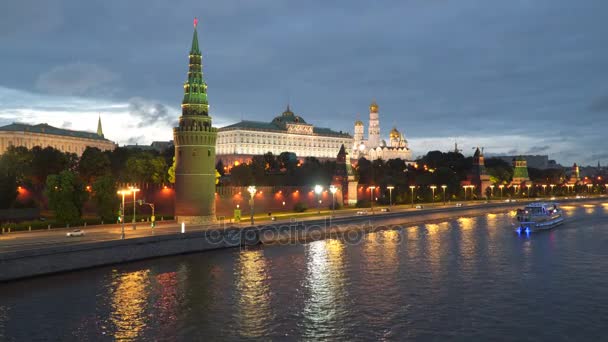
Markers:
538,216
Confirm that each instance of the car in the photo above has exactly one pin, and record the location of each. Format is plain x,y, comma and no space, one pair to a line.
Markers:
418,206
385,210
361,212
75,232
459,204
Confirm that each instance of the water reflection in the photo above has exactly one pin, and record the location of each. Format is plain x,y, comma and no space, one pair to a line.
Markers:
3,320
325,307
253,293
129,294
169,292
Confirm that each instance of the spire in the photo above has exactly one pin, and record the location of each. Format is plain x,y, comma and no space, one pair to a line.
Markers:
195,50
99,129
195,88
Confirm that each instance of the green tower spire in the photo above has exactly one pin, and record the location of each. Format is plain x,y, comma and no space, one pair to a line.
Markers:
195,88
99,129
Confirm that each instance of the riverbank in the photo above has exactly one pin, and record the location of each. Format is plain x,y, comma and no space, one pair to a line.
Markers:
35,262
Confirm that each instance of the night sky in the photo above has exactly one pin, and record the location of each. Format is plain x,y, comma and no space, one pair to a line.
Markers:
516,77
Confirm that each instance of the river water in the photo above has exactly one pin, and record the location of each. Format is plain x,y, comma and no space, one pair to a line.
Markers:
469,279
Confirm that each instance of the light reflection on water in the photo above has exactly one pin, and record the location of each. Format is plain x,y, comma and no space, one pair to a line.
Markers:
465,279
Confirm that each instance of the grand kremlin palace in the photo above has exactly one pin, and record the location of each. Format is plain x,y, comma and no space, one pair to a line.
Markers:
287,132
43,135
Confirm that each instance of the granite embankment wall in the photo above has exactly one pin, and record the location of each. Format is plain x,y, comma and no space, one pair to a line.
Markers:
29,263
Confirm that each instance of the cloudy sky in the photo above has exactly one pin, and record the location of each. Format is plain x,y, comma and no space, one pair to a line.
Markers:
517,76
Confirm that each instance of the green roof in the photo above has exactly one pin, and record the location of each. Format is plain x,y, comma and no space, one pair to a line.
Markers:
279,124
47,129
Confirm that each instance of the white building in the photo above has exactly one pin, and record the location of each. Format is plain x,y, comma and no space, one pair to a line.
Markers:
373,148
285,133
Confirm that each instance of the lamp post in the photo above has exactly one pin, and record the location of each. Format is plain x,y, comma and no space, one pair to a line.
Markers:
544,190
412,187
589,186
390,195
606,185
433,187
491,191
122,211
443,187
552,186
501,186
516,192
252,190
371,194
528,186
134,190
333,189
318,191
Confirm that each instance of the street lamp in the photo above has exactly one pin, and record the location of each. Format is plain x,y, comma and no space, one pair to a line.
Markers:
516,191
390,195
371,194
465,191
501,186
134,190
333,189
252,190
528,186
433,187
412,187
443,187
589,186
318,191
545,190
491,191
552,186
122,210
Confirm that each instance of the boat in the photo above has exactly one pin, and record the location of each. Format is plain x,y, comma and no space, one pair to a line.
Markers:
538,216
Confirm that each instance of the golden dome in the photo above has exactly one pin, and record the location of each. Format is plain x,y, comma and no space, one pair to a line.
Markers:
358,123
394,134
373,108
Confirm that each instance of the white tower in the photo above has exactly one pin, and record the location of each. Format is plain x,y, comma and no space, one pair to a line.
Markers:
374,126
358,136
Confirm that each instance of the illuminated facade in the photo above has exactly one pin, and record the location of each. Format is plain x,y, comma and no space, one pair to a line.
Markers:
373,148
287,132
43,135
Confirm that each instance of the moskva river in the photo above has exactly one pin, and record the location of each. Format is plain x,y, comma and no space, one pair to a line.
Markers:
469,279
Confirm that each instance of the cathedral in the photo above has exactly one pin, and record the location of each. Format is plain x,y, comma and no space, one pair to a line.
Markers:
373,147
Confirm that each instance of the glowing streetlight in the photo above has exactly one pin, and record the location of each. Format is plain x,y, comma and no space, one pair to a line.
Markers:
371,194
134,190
589,186
412,187
443,187
390,195
552,186
516,186
491,191
528,186
333,189
252,190
433,187
545,190
318,191
123,193
465,190
501,186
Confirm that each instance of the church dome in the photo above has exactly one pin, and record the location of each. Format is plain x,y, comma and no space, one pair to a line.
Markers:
383,143
394,134
373,108
358,123
288,117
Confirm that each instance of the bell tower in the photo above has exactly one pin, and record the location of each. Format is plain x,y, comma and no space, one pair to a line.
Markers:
194,140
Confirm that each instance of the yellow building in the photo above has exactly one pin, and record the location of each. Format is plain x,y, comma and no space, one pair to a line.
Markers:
43,135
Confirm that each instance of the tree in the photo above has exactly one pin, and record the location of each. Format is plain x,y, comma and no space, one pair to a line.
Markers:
93,163
66,194
241,175
171,172
104,195
47,161
17,161
146,168
8,190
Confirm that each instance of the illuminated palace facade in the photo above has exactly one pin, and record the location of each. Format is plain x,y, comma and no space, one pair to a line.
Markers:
373,147
43,135
287,132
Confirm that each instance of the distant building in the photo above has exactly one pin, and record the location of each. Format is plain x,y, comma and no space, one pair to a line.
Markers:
344,179
287,132
43,135
373,147
159,146
534,161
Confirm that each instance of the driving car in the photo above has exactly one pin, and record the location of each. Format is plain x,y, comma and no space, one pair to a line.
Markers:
361,212
75,232
384,210
418,206
459,204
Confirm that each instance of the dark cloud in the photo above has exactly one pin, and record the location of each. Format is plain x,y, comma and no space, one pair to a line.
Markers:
600,105
77,79
66,124
538,149
151,113
135,140
513,151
